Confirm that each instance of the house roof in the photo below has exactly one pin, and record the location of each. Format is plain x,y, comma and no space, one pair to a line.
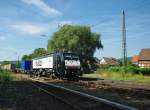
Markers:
144,54
135,58
111,61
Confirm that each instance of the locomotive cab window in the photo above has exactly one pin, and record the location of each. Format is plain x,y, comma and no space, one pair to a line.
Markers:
70,56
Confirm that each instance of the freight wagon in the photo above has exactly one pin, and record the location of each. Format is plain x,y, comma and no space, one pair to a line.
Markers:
59,64
25,66
9,67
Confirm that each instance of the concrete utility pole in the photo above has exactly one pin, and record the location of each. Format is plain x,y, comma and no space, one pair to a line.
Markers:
124,47
17,59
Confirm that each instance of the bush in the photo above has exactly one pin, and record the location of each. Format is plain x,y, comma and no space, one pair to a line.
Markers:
130,69
114,69
144,71
136,70
5,76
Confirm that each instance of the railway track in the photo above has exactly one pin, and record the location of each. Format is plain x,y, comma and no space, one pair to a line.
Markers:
75,100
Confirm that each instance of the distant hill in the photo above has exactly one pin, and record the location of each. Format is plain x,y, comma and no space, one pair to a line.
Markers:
12,62
129,58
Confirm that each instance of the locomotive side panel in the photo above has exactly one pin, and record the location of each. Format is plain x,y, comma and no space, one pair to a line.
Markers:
43,62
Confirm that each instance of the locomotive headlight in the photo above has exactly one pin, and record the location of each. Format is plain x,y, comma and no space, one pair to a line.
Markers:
66,62
78,62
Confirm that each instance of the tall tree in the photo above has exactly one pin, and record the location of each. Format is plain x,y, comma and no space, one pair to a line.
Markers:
39,51
75,38
36,53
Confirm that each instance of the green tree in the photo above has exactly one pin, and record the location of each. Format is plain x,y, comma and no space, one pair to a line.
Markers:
6,62
25,57
75,38
36,53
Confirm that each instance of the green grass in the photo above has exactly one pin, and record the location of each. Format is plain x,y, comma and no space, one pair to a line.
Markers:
123,76
117,75
5,76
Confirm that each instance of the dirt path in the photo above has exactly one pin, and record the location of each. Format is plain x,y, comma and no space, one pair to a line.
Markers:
125,84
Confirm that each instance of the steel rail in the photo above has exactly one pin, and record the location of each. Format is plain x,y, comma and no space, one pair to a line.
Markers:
58,98
104,101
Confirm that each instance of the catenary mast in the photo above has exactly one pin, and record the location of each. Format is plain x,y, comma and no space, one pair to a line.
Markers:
124,46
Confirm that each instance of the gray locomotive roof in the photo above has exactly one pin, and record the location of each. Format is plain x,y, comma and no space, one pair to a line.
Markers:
50,54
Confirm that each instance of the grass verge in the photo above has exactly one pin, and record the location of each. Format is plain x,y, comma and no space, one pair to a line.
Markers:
123,76
5,76
104,74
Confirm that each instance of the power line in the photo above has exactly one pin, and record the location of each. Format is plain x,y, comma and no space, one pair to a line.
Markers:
99,22
143,3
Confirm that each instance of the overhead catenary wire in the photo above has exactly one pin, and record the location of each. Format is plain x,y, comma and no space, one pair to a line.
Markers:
132,7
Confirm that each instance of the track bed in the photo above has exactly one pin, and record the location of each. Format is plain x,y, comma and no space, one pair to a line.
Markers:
80,100
21,95
126,93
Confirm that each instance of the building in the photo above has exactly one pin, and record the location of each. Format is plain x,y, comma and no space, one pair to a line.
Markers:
135,59
109,61
144,58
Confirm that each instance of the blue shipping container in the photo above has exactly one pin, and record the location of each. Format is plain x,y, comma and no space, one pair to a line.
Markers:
26,65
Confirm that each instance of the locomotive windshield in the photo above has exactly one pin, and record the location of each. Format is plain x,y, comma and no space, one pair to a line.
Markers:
70,56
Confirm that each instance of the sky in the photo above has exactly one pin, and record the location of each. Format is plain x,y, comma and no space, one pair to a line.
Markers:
23,22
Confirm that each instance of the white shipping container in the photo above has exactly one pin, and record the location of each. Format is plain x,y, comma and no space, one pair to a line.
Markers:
8,67
43,62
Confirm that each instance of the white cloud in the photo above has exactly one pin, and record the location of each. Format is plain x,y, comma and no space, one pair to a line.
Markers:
65,22
28,28
33,28
43,6
2,38
61,23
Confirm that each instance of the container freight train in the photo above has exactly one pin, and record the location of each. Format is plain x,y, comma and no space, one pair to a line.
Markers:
58,64
25,66
8,67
